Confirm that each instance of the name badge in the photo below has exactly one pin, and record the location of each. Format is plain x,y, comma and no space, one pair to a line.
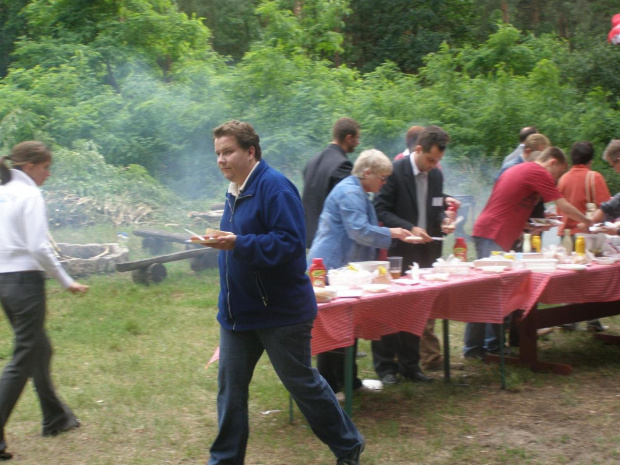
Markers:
437,201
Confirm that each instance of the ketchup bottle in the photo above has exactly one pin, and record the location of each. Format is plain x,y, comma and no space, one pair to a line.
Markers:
460,249
317,273
451,211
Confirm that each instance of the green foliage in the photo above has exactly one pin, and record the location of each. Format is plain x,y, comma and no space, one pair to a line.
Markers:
139,80
84,189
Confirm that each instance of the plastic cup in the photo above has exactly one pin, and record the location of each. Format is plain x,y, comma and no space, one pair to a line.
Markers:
396,266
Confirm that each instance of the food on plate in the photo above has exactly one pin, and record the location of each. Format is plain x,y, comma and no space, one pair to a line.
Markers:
215,233
545,221
324,294
579,259
381,276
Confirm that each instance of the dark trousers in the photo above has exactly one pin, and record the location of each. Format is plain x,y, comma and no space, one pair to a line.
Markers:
397,353
22,296
331,366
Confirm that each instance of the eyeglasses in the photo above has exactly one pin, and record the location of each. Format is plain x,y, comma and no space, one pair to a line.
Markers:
383,178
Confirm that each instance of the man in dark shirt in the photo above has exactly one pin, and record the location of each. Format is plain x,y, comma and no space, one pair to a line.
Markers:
326,170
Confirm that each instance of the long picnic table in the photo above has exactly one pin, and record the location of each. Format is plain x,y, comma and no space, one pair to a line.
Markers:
478,298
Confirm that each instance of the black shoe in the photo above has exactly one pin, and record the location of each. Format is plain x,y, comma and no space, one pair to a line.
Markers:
75,423
419,377
568,327
354,457
390,378
595,326
474,355
4,455
507,352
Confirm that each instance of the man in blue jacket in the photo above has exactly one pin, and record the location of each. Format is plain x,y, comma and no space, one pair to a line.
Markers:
266,301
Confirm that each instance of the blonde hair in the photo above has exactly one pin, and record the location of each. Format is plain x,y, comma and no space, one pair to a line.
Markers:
536,142
612,151
373,160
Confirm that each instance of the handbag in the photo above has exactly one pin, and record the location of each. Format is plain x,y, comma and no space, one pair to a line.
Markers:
590,195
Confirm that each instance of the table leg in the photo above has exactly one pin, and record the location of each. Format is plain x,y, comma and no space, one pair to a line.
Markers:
502,355
349,356
446,351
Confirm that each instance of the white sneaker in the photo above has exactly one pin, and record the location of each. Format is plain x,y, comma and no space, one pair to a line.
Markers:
340,396
370,385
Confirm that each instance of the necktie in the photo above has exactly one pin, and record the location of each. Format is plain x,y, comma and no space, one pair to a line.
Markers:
421,185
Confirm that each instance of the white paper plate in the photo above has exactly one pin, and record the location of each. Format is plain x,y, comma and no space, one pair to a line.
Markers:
413,239
437,276
571,266
376,288
405,281
492,269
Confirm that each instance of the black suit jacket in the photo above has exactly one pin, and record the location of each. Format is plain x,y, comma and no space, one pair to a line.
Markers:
321,174
397,206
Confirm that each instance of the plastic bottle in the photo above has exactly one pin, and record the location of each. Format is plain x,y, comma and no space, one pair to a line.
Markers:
317,273
536,243
580,245
527,243
567,242
460,249
451,211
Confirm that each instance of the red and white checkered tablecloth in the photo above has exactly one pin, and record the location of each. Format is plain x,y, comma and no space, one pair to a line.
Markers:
484,298
477,297
597,283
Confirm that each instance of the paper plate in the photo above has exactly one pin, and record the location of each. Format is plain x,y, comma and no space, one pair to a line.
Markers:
376,288
571,267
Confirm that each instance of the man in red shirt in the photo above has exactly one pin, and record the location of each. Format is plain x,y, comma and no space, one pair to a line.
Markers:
502,220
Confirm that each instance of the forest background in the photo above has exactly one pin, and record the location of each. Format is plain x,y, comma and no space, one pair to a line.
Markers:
127,92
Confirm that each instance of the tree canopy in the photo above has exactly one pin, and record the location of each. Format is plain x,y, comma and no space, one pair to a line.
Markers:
145,81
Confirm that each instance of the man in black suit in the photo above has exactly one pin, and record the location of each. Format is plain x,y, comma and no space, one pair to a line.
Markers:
326,170
412,199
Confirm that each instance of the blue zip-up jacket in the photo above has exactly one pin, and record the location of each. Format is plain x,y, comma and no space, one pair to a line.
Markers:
263,281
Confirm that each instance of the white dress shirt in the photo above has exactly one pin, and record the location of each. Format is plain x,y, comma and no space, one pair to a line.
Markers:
24,244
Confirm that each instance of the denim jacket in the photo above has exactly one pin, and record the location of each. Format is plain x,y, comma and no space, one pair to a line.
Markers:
611,208
348,227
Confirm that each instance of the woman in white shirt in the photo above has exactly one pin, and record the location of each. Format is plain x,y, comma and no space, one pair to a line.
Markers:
25,256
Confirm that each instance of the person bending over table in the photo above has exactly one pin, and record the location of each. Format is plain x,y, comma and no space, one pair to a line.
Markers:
24,257
266,301
348,231
508,209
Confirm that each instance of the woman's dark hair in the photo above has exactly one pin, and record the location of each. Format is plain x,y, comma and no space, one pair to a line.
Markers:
23,153
581,153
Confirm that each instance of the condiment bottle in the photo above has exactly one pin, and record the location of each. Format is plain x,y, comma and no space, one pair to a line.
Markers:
536,243
451,211
460,249
567,242
527,243
317,273
580,245
415,272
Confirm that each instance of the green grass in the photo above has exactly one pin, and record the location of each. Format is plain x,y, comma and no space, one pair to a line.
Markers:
130,360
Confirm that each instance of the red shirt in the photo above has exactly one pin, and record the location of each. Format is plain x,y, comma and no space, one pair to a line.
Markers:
514,196
572,186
